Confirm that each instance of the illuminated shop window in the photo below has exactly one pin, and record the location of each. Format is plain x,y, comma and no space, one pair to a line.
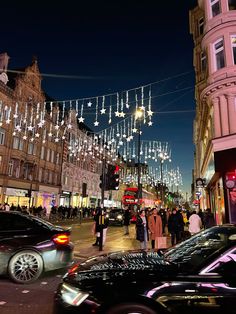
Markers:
219,54
215,7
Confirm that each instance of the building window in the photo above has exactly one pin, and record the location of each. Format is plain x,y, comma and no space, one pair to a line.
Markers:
35,149
10,167
42,152
15,142
30,148
215,7
219,54
50,177
55,178
57,158
2,136
52,156
203,62
48,154
232,4
21,144
45,176
201,26
40,174
233,43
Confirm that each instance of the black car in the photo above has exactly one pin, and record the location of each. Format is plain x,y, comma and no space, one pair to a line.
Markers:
196,276
115,216
30,245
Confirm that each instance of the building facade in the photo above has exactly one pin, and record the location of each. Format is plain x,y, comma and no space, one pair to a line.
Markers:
213,26
30,163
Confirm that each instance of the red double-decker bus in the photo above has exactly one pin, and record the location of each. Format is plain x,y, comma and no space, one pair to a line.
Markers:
131,197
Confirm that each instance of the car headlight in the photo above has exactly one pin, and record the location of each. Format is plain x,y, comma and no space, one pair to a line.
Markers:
119,216
72,295
107,215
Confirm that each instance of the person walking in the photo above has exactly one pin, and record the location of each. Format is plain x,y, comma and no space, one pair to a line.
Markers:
155,226
142,229
195,223
126,220
174,226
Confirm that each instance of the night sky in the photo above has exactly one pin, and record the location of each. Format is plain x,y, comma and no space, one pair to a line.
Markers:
112,46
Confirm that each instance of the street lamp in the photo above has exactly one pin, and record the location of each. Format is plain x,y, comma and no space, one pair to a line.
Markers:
138,117
163,155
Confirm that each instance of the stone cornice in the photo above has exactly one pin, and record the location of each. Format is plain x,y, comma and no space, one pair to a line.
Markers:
217,88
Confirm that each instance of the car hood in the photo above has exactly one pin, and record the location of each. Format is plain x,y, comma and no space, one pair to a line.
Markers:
117,264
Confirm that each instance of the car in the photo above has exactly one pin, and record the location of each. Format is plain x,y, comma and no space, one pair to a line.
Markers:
30,246
196,276
115,216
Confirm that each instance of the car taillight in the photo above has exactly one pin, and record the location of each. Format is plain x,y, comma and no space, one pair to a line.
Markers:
61,239
73,269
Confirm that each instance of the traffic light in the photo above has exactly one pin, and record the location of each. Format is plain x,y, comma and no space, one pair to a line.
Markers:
112,178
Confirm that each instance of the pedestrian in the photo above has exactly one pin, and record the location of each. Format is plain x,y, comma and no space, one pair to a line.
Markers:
126,220
7,207
142,229
96,226
162,214
208,219
155,226
174,226
195,223
100,224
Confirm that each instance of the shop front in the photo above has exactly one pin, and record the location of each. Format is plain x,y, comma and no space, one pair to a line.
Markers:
65,198
225,164
17,197
47,197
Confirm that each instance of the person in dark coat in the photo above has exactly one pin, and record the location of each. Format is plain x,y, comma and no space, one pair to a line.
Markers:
208,219
174,226
126,219
97,227
162,214
142,229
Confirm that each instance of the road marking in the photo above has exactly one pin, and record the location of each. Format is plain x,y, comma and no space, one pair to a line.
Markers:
2,302
25,291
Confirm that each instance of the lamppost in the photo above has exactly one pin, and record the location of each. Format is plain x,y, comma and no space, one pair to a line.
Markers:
138,117
163,155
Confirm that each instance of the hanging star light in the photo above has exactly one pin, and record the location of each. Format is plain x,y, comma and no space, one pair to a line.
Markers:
81,119
96,123
150,123
103,111
30,128
150,113
89,104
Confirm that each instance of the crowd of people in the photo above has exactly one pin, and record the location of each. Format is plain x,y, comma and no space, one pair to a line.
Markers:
179,224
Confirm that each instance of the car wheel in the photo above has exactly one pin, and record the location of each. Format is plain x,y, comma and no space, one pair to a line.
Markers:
25,267
130,308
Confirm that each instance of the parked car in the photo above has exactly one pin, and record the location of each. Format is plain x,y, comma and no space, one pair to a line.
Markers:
115,216
196,276
29,246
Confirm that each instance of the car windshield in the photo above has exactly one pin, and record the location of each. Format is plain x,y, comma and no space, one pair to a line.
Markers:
194,251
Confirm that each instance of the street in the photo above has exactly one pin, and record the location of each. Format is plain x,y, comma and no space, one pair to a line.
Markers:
37,298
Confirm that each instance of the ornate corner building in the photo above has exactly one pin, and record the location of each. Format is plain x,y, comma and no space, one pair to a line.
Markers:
213,26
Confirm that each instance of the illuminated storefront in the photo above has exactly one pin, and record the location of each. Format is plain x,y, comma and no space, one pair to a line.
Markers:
17,197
